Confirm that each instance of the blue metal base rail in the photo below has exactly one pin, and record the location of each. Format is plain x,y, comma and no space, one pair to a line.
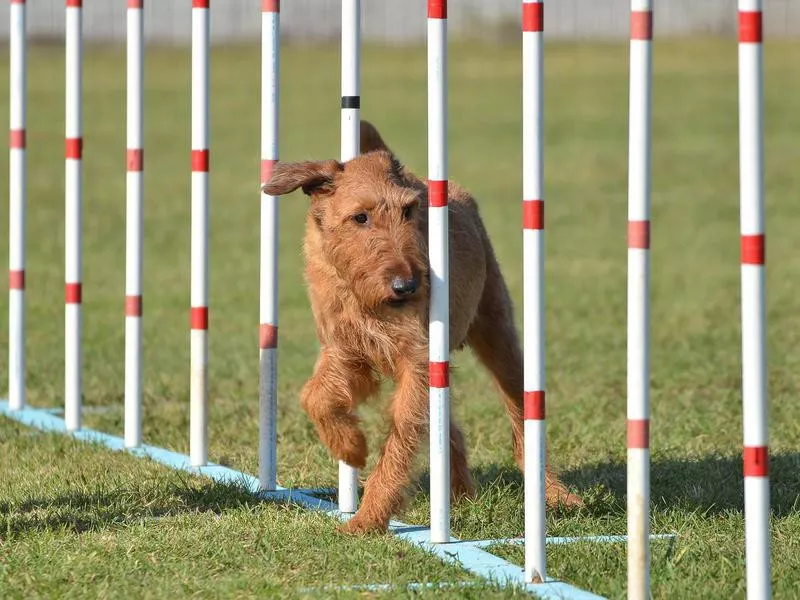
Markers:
469,555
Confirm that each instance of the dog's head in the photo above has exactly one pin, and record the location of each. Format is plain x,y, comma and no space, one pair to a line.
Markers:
366,216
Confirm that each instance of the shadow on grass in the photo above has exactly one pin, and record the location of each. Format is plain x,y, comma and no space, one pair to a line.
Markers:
712,484
106,505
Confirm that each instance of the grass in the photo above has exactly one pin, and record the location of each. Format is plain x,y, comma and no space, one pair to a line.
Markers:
80,521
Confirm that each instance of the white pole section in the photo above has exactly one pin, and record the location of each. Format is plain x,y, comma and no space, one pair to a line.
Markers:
638,422
17,192
133,220
533,303
754,361
198,442
438,242
268,317
73,216
351,103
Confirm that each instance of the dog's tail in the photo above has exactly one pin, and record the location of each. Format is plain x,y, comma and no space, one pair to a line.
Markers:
371,139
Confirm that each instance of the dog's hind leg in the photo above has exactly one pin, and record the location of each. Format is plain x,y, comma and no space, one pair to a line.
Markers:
461,485
493,337
329,398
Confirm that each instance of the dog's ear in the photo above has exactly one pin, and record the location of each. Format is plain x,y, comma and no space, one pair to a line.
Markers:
315,177
370,139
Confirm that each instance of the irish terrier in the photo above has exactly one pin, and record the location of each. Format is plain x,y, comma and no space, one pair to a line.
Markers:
367,271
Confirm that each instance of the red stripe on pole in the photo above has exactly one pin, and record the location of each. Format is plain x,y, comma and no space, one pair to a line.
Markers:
641,25
73,293
200,3
17,1
135,159
267,165
533,406
756,461
439,375
16,138
533,214
199,317
271,6
753,249
532,16
437,193
200,161
437,9
133,306
267,336
73,148
74,3
135,3
638,433
16,280
639,234
750,27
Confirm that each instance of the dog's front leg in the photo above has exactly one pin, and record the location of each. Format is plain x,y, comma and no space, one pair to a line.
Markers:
385,487
330,397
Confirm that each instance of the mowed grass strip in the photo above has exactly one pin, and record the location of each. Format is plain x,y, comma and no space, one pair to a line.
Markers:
80,521
85,521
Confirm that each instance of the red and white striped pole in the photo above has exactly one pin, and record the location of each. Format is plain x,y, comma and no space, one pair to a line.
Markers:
198,418
533,304
133,220
438,248
73,216
350,136
17,198
754,361
268,318
638,424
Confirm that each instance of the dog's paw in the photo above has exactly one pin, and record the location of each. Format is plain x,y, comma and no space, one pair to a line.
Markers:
558,495
462,490
352,449
571,500
359,525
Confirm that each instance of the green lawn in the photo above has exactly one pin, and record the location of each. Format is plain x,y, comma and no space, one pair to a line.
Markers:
78,521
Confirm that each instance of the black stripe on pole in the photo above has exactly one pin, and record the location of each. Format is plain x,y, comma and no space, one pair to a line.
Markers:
351,101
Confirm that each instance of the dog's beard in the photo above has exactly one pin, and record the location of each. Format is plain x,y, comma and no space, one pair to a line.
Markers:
378,299
398,302
371,292
369,281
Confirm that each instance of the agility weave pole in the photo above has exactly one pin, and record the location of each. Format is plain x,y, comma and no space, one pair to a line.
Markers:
350,141
198,417
435,539
638,385
533,286
754,360
73,214
268,284
438,242
134,240
17,185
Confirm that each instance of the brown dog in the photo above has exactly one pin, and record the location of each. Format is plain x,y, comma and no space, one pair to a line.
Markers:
367,271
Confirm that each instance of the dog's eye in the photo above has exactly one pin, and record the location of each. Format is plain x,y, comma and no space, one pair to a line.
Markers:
408,211
360,218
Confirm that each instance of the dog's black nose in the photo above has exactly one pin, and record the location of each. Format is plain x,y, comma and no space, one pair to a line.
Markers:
404,287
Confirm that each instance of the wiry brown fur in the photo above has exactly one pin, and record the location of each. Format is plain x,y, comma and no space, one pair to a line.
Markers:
363,335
